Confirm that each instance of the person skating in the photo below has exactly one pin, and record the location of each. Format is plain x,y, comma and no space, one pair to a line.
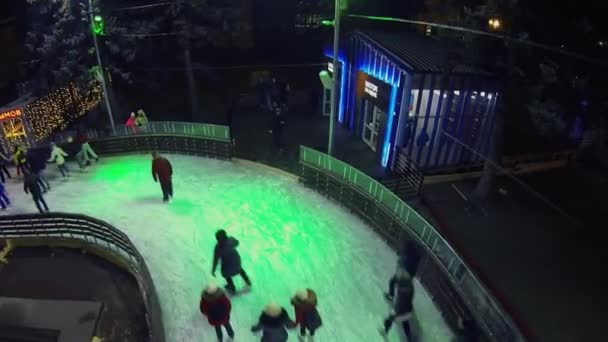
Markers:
82,139
4,200
58,156
276,128
162,172
226,253
141,120
37,164
402,304
4,161
409,259
216,306
132,123
307,315
32,185
274,322
19,159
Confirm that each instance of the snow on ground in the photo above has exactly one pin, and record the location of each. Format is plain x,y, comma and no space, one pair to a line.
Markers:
291,238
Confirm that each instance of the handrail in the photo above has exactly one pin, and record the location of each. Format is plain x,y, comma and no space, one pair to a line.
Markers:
87,231
175,128
458,271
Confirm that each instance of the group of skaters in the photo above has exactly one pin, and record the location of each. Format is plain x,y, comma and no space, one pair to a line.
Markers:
274,320
31,163
137,122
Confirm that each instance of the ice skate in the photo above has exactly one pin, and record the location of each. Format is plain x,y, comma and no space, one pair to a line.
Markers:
301,337
382,331
388,297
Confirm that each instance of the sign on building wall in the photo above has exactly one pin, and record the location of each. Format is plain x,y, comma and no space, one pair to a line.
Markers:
11,114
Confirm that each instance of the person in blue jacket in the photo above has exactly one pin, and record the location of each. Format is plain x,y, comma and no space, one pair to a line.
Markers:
4,201
226,253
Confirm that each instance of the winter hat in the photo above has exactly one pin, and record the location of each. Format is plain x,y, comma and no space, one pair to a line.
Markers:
302,295
211,288
273,310
132,114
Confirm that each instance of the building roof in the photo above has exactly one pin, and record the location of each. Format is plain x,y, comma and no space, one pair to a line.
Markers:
419,53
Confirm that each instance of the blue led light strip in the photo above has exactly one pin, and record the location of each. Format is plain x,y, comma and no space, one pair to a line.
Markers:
389,127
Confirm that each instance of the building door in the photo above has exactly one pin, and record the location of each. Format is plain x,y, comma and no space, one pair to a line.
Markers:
372,117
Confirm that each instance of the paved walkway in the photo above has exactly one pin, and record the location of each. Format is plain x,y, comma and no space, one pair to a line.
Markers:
70,275
548,271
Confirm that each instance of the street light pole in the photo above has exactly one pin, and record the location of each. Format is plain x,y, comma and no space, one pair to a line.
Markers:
100,65
334,86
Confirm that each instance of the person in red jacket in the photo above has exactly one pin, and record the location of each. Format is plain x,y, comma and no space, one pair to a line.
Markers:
307,316
162,172
216,306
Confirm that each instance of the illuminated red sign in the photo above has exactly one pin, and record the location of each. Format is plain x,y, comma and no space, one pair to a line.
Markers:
11,114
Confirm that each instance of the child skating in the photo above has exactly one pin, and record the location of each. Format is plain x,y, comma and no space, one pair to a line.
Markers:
274,322
307,316
58,156
216,306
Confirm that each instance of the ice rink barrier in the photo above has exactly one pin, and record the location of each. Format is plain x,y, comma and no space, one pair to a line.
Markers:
459,294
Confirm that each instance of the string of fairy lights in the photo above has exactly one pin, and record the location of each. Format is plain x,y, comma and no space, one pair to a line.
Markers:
61,106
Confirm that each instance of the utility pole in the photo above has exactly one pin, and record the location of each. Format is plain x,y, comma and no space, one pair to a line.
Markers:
334,86
102,72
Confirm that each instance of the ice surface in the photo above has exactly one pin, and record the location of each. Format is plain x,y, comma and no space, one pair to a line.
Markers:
291,238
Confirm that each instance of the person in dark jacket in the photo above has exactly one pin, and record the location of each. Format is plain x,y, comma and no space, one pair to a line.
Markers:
216,306
402,304
226,253
276,128
307,316
273,322
37,163
4,201
4,161
31,185
409,259
162,172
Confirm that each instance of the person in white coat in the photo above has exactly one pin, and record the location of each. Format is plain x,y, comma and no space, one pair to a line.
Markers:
58,156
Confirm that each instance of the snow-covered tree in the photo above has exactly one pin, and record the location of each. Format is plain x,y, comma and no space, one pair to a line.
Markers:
60,47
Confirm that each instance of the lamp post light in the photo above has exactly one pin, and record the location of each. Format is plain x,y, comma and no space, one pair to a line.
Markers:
494,24
98,28
334,85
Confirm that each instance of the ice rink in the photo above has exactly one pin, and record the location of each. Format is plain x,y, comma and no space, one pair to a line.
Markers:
290,238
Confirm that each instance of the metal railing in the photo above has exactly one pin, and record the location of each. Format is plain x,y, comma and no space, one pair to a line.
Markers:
398,217
175,128
93,235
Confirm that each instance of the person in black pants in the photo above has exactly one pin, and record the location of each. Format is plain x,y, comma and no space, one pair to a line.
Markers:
4,160
402,304
31,184
276,128
409,259
225,251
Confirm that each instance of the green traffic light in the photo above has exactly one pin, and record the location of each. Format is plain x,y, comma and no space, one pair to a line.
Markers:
327,22
98,18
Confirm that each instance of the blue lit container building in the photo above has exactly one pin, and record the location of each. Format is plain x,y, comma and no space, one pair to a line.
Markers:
403,92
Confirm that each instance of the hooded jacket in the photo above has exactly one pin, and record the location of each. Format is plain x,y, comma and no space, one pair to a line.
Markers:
226,252
58,155
216,306
274,328
306,310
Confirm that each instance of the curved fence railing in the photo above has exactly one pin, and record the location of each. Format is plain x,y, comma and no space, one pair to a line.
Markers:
393,218
95,236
